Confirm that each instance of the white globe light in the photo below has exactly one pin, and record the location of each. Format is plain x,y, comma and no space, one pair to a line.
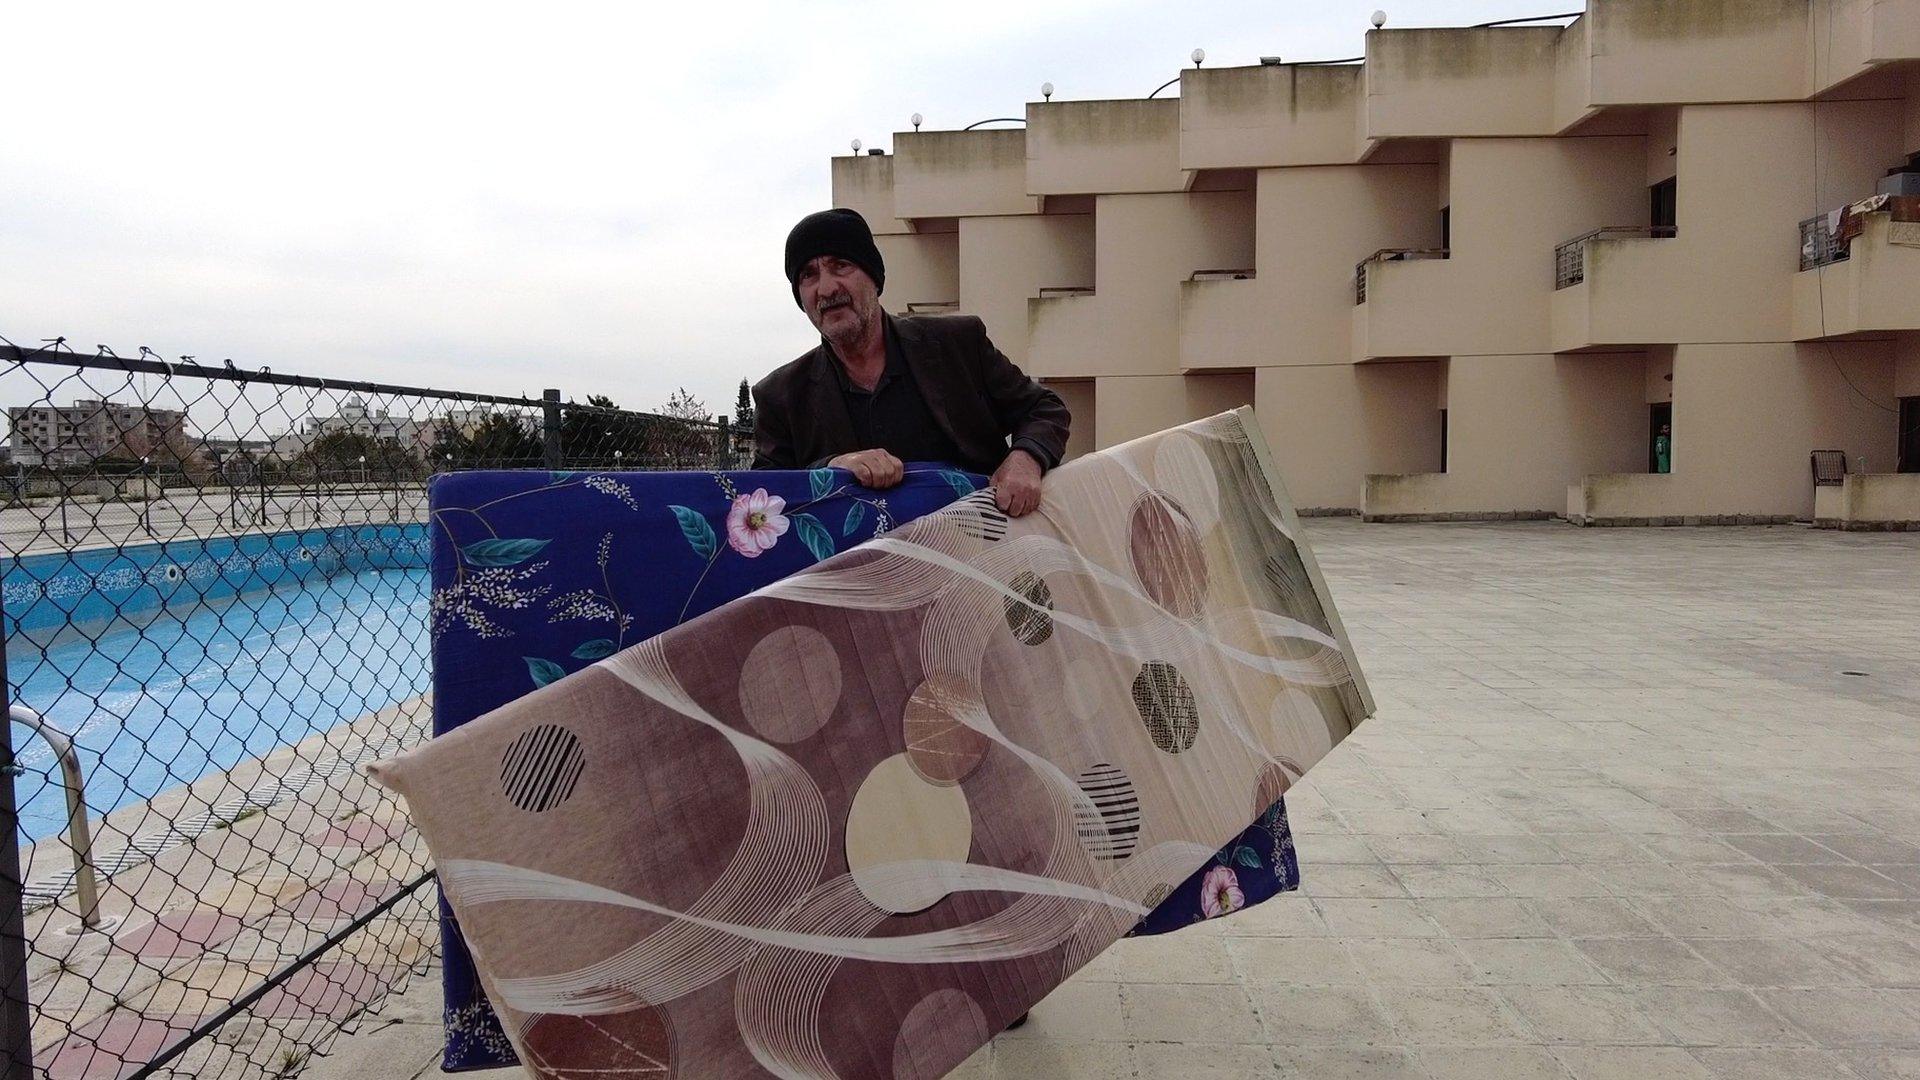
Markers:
1046,90
1198,56
856,146
916,121
1379,19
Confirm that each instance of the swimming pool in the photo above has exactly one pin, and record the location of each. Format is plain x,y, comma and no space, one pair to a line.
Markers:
170,662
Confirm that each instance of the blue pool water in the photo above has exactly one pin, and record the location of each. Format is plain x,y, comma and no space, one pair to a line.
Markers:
232,648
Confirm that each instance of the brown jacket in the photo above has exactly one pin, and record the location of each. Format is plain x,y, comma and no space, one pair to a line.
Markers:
980,397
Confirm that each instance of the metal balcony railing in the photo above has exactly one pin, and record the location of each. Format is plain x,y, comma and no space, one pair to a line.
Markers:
1387,255
1820,242
1570,258
1829,468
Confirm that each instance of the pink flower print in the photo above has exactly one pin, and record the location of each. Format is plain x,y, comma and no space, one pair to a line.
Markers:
755,522
1220,893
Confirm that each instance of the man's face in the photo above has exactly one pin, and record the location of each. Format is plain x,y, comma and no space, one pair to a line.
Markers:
838,297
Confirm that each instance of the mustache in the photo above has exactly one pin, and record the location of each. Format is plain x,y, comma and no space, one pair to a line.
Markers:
828,303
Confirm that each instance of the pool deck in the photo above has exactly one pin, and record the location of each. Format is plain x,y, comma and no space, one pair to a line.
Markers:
211,912
200,514
1620,815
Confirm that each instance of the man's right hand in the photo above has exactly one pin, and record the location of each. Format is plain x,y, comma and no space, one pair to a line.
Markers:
873,468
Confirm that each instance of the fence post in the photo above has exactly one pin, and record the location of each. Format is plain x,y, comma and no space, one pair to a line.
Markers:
723,445
16,1020
550,404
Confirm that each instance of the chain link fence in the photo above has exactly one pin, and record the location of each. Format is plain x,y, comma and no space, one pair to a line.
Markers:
216,610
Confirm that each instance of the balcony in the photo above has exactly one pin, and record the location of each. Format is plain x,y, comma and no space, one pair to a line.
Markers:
1614,287
1869,501
1626,499
1389,255
1438,496
1458,82
1225,322
864,182
1859,270
1104,147
1394,296
1570,258
1270,115
1656,52
942,174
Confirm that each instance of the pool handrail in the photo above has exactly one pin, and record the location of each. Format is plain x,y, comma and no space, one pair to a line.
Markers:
79,836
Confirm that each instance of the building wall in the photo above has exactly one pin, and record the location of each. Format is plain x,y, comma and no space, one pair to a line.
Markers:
1746,417
1332,425
1079,399
1130,406
1906,350
1005,261
1585,413
922,268
1513,201
1144,247
1313,225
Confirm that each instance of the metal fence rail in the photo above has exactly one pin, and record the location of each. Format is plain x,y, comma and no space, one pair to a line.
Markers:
215,589
1570,258
1820,243
1387,255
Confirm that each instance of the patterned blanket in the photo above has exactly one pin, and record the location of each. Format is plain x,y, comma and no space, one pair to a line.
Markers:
735,794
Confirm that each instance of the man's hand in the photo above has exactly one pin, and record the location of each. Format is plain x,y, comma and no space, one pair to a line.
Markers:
874,468
1016,484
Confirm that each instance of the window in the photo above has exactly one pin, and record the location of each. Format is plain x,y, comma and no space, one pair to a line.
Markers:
1664,208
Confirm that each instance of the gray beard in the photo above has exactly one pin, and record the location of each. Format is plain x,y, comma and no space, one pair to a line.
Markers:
852,337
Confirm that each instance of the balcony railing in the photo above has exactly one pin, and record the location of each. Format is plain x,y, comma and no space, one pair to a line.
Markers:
933,307
1570,258
1049,292
1820,242
1387,255
1244,274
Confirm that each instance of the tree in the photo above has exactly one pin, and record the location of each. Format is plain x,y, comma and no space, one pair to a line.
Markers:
503,441
684,406
743,420
498,441
592,433
347,454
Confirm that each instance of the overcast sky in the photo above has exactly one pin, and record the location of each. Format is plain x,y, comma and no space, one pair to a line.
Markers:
500,198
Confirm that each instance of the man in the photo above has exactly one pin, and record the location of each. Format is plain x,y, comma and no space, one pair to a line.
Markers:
879,390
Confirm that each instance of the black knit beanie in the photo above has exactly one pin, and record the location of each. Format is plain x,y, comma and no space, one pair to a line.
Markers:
838,232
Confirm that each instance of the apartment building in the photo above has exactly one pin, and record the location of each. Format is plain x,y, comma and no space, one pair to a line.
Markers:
63,436
1481,272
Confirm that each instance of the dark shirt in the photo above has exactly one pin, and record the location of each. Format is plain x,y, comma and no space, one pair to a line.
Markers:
894,417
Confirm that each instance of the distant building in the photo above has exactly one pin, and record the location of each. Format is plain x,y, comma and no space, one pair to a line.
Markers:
355,417
1477,273
89,430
